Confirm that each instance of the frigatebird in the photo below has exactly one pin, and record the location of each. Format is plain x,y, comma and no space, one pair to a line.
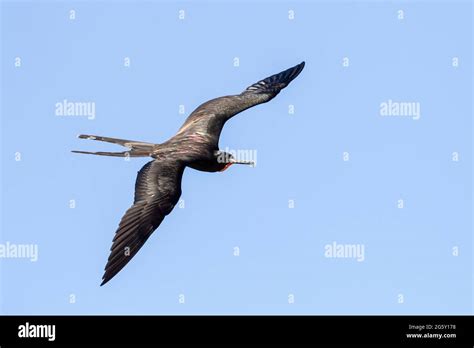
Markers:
195,145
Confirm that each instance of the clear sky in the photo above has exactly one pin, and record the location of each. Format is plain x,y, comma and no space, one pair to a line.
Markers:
368,150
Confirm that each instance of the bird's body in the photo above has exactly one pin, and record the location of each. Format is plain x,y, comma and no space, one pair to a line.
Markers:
195,145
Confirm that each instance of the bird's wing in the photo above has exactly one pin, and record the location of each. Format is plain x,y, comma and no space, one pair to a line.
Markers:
212,115
157,190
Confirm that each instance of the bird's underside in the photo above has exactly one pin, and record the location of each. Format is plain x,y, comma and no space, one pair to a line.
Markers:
195,145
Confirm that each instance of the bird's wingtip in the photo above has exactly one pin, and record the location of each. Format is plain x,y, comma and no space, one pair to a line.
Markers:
277,81
106,277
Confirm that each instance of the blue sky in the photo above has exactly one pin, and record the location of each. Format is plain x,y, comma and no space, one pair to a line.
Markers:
337,171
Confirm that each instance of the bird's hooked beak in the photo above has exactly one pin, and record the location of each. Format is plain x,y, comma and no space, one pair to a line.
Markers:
249,163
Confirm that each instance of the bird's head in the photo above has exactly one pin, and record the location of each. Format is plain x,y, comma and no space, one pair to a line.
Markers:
225,160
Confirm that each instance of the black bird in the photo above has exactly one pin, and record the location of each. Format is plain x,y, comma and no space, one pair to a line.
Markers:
196,145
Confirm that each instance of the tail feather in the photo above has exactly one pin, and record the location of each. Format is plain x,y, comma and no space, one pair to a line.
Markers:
137,148
131,153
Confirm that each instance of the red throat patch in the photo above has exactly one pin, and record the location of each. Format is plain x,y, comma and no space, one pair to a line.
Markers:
226,166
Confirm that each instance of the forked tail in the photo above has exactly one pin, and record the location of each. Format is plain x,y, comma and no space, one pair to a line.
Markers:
136,148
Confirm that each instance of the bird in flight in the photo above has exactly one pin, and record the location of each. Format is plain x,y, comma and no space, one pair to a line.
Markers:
195,145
